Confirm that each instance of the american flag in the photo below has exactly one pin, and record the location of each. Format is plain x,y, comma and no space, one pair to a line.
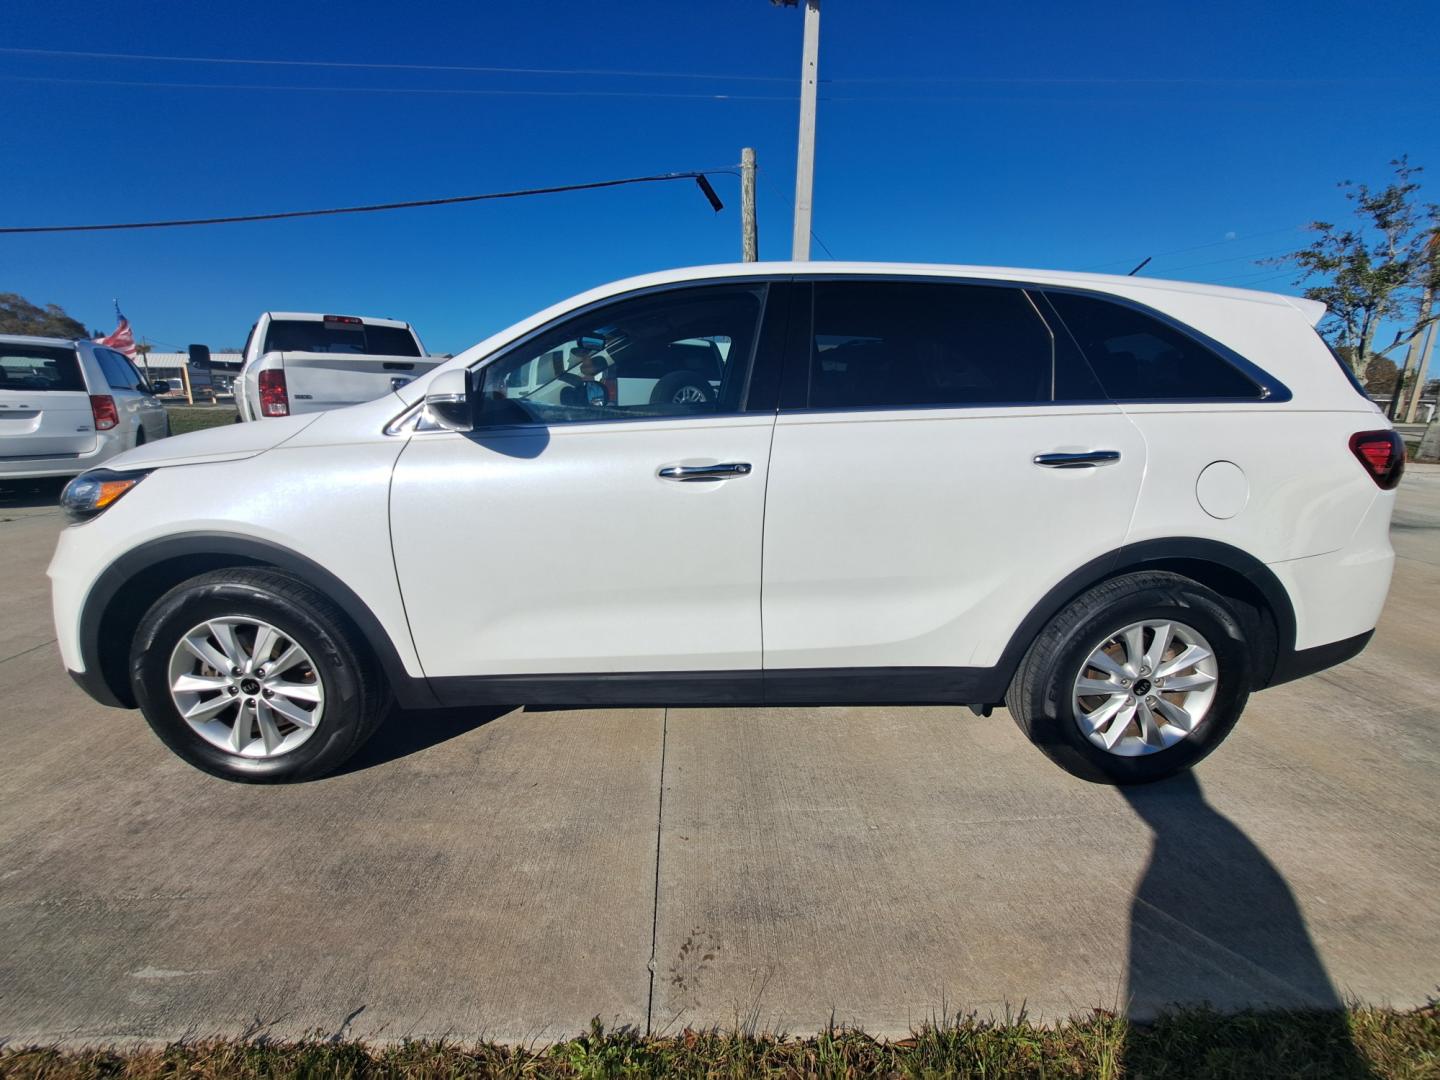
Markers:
120,339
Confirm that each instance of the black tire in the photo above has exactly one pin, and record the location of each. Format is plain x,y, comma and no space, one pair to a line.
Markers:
355,693
140,436
667,389
1040,698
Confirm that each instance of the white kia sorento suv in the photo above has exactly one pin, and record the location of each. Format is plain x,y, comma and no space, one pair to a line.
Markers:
1116,506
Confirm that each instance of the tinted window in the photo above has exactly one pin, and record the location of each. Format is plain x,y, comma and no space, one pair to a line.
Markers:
303,335
39,367
118,371
904,343
1138,358
681,353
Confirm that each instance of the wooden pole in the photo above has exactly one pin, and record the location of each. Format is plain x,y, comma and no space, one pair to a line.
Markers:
1420,375
749,233
805,152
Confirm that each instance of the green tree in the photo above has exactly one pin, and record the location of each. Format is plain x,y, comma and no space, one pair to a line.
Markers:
1380,375
1374,270
20,316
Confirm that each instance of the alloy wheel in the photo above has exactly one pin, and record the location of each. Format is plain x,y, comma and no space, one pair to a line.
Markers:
1145,688
246,687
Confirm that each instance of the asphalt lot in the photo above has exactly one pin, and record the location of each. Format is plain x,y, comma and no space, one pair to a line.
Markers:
512,876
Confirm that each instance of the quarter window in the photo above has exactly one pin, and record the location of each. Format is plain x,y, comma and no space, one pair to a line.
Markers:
895,344
118,372
681,353
1139,358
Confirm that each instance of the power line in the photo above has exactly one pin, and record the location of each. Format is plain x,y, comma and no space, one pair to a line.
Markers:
698,177
483,92
617,73
976,80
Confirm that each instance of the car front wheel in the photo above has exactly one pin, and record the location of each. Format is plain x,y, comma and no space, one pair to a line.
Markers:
1135,680
252,675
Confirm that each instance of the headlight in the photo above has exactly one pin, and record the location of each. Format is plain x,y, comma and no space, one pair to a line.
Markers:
90,493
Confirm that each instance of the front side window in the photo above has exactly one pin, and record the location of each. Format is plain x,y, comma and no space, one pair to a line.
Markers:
1137,357
39,367
896,344
680,353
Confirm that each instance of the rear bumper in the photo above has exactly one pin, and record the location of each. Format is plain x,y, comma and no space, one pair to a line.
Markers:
34,468
1297,663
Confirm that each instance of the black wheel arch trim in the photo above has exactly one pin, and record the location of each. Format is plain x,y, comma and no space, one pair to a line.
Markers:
1153,554
897,685
98,679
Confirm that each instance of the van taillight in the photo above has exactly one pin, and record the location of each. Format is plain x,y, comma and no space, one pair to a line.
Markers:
274,401
1383,455
102,408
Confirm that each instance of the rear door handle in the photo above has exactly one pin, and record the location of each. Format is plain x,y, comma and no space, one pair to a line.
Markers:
693,473
1085,459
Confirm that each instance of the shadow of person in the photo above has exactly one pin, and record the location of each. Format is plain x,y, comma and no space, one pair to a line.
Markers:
1214,923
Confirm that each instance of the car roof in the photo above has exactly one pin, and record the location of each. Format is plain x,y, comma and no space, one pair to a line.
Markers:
316,316
1108,283
34,339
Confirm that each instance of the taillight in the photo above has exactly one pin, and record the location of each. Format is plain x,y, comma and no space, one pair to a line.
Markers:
274,401
1383,455
102,408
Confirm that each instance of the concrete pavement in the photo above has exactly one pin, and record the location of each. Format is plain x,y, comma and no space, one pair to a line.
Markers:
511,876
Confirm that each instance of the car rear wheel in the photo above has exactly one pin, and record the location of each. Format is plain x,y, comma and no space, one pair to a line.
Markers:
252,675
1135,680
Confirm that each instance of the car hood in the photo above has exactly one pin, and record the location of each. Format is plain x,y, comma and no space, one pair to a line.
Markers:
230,442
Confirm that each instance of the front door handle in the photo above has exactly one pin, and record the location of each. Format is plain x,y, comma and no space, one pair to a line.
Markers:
692,473
1085,459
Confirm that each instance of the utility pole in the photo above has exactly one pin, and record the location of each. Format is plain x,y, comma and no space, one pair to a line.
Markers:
749,233
805,152
1419,387
1413,353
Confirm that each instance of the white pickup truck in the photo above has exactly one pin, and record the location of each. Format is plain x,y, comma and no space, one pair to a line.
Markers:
300,362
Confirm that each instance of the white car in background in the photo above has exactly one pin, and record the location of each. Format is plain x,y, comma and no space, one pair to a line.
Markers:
302,362
67,406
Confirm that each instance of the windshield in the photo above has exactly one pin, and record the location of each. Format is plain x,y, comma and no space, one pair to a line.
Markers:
306,335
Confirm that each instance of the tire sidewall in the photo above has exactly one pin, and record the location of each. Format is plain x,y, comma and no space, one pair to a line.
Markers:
189,605
665,389
1054,729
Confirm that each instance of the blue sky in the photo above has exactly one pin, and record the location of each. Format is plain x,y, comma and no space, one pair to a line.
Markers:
1074,135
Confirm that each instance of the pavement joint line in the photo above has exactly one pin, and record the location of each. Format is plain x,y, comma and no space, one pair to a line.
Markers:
27,652
655,911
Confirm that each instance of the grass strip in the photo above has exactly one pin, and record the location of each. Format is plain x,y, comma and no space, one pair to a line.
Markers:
1190,1043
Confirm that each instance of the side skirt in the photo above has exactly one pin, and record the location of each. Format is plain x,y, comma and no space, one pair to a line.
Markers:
797,686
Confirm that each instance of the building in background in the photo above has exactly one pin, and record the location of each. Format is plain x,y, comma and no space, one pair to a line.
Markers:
168,365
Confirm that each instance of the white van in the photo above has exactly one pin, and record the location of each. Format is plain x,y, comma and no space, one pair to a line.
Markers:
66,406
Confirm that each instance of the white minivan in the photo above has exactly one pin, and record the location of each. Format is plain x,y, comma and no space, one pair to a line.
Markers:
66,406
1116,506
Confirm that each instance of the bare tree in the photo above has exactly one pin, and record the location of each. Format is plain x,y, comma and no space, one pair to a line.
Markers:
1373,271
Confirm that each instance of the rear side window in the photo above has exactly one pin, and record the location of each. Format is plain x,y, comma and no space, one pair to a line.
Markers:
118,372
1139,358
883,343
39,367
356,339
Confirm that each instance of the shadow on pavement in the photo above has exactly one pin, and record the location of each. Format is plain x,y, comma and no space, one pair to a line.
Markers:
27,494
404,733
1213,922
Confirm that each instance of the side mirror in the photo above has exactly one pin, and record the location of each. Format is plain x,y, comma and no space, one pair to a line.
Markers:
448,403
160,386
